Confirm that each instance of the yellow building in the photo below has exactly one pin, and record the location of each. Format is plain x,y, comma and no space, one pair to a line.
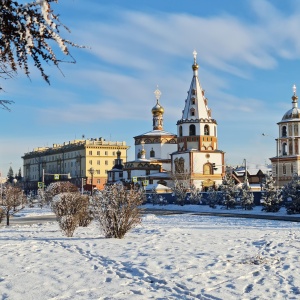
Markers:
76,159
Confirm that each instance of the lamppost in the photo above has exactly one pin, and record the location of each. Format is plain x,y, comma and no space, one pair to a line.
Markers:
92,171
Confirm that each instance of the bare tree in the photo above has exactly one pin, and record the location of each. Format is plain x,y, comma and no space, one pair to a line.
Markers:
30,31
13,201
195,195
117,210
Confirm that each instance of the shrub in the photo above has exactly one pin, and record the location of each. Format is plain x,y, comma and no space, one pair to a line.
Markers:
71,210
58,187
117,210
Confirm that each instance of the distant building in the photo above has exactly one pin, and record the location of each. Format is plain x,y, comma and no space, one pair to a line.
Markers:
75,158
153,149
192,154
287,159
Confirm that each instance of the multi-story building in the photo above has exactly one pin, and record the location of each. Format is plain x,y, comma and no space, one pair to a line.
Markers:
85,162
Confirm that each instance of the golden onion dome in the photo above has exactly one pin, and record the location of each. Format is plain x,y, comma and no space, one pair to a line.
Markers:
157,109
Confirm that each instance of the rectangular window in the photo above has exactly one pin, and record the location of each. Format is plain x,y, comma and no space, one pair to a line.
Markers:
98,172
98,162
105,171
90,152
90,162
98,152
106,162
98,181
106,152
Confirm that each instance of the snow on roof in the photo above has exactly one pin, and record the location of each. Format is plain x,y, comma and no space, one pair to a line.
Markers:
157,132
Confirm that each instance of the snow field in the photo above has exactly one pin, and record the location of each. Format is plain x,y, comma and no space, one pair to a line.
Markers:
166,257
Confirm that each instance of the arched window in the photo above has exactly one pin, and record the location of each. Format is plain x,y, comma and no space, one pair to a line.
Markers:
206,130
193,101
283,131
284,169
139,154
180,130
192,112
284,149
207,169
152,153
192,130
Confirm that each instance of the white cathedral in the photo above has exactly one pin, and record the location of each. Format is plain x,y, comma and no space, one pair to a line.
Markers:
192,154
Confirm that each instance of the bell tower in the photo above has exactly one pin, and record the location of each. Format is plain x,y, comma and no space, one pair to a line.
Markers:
197,141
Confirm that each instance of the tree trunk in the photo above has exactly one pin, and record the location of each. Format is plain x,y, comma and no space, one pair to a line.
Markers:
7,218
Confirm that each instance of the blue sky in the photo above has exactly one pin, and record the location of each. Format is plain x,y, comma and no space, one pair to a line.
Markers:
248,53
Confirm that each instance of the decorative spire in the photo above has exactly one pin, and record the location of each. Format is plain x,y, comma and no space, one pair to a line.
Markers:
295,97
195,66
157,94
143,151
157,112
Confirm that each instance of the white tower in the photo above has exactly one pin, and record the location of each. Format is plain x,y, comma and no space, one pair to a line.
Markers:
197,144
287,160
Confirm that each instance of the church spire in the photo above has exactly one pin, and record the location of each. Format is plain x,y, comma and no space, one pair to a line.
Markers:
295,97
157,112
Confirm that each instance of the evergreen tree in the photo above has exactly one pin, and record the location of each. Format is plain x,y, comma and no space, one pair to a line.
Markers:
246,197
228,190
271,197
195,195
10,175
213,197
19,176
291,195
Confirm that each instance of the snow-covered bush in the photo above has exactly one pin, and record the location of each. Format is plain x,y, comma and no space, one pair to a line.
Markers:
117,210
58,187
291,195
228,190
71,210
246,197
271,196
157,199
180,187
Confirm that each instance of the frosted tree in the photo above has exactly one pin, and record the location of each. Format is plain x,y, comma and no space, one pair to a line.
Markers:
33,31
213,197
13,201
291,195
246,197
271,196
58,187
228,190
71,210
195,195
117,210
180,186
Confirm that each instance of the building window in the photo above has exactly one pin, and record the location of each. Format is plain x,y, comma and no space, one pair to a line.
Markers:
105,171
206,130
192,112
106,162
114,153
147,172
139,154
98,162
193,92
180,130
207,169
292,169
98,181
98,172
284,149
152,153
98,152
193,101
90,162
284,169
106,152
90,152
192,130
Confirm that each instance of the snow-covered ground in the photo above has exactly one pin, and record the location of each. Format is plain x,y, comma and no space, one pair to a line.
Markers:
166,257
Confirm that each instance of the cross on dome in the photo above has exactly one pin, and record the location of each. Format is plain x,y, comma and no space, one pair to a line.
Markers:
157,94
195,56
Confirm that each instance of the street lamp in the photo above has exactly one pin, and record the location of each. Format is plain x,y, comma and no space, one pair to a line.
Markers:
92,171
